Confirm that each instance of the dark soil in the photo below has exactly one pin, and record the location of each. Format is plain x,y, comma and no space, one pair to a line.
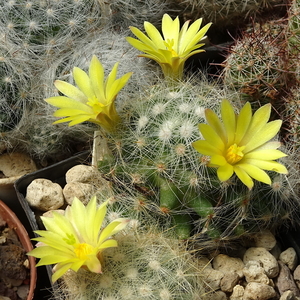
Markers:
14,272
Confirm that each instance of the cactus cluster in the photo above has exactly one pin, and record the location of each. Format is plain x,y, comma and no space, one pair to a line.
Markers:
145,265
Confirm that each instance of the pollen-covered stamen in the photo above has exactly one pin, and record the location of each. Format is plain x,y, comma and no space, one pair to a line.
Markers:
234,154
83,250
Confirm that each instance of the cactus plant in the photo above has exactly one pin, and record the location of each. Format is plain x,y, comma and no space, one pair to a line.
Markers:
144,265
256,64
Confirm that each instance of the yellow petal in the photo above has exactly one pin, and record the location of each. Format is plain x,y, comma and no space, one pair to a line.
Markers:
170,29
244,177
206,148
186,34
108,244
258,121
66,112
218,160
83,82
199,36
266,154
229,120
70,91
60,271
112,228
93,264
256,173
225,172
214,121
267,132
243,121
143,38
65,102
267,165
154,35
96,73
211,136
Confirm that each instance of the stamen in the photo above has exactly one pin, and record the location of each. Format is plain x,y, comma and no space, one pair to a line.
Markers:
83,250
234,154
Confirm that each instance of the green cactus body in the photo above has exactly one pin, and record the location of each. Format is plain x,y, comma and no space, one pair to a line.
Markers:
256,66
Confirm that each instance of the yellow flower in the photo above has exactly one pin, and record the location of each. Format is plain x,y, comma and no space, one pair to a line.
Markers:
241,143
172,49
75,239
94,98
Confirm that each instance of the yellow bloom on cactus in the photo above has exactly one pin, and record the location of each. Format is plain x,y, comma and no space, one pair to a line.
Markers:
92,100
241,143
171,49
76,239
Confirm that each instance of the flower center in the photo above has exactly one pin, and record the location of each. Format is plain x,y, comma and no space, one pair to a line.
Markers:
234,154
83,250
95,105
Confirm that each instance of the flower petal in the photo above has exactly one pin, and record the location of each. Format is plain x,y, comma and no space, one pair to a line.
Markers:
256,173
214,121
112,228
65,102
267,132
211,136
266,154
60,270
170,29
258,121
218,160
225,172
154,35
244,177
83,82
70,90
243,121
96,73
206,148
267,165
229,120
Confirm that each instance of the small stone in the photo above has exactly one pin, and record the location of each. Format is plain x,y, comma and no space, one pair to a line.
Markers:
287,295
23,291
285,281
225,264
16,164
268,261
44,195
212,278
258,291
265,239
82,173
229,281
218,295
254,272
297,276
83,191
289,257
204,263
237,293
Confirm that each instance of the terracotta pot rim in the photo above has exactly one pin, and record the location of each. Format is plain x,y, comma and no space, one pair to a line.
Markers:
14,223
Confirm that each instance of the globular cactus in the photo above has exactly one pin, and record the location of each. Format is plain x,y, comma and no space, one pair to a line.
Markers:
256,65
153,156
227,14
144,265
